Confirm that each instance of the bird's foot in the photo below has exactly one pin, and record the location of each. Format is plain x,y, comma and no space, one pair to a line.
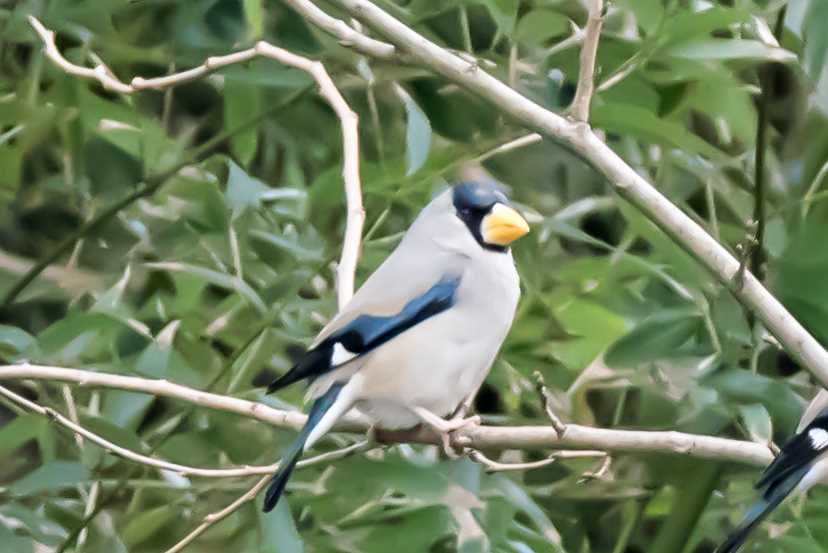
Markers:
445,428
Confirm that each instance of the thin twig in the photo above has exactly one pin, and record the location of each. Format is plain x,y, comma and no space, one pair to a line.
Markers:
575,38
251,494
94,488
600,472
808,199
546,397
215,517
520,142
496,466
586,75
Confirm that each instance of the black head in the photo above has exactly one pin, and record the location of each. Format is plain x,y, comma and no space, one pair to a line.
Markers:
488,215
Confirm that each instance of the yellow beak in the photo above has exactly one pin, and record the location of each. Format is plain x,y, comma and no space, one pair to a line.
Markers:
503,225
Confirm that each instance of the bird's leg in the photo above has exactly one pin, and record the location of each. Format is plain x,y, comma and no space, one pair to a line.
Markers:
444,427
466,406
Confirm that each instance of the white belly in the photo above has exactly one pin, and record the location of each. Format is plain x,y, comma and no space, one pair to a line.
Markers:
436,365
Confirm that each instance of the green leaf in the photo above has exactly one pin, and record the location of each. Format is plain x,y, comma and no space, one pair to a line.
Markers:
163,361
222,280
301,248
36,524
145,524
757,421
251,360
518,497
504,12
738,385
655,338
242,189
266,73
19,431
648,13
730,49
14,341
540,25
686,24
125,408
115,433
631,120
278,530
816,39
51,476
254,13
13,543
417,135
240,101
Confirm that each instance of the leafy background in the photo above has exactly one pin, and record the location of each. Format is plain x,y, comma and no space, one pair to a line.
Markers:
216,276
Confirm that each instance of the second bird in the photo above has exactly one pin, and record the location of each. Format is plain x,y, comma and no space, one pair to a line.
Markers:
419,337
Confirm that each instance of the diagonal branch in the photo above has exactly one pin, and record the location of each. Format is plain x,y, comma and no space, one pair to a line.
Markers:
586,75
480,438
347,36
627,182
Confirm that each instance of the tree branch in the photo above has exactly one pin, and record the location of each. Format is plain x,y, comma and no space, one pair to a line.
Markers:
347,36
626,181
586,74
480,438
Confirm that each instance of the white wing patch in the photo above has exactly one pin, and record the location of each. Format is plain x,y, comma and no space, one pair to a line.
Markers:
818,437
341,355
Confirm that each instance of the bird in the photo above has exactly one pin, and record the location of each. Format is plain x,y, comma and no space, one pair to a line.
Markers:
801,464
420,335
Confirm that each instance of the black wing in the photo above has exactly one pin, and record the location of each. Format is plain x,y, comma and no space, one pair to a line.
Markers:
367,332
782,477
801,451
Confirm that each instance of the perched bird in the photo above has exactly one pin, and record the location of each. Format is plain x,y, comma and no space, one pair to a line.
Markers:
801,464
420,335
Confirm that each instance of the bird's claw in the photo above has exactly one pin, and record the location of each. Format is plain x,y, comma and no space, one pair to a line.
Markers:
452,426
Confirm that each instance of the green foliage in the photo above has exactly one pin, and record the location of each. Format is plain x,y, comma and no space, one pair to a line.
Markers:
211,275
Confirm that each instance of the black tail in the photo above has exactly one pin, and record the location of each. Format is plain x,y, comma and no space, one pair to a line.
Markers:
752,519
771,498
292,456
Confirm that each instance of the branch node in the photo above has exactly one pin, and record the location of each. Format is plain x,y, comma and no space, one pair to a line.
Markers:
546,397
598,474
744,252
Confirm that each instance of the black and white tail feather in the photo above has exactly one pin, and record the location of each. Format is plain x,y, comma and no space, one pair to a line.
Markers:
358,337
782,477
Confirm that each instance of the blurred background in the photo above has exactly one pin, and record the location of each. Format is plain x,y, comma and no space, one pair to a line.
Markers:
191,235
